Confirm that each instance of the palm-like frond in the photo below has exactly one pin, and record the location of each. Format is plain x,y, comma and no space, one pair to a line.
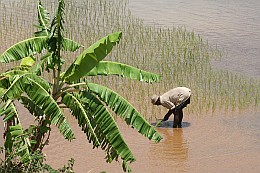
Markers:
8,76
89,58
45,26
57,22
46,61
107,130
8,109
18,72
44,64
56,35
33,108
15,73
123,70
70,45
24,49
33,45
12,74
82,115
44,21
43,99
125,110
15,135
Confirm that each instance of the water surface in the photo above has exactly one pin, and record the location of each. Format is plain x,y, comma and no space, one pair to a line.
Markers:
232,25
210,143
222,143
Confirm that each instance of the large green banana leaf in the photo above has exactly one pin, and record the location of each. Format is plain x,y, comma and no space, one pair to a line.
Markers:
125,110
8,109
33,45
8,77
89,58
44,21
16,136
24,49
57,22
82,116
70,45
44,64
33,108
107,130
15,133
123,70
17,68
18,72
43,99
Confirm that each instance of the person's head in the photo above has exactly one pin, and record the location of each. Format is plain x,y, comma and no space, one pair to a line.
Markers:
155,100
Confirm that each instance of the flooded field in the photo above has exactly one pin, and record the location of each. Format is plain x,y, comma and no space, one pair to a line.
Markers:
211,143
228,142
225,141
232,25
221,143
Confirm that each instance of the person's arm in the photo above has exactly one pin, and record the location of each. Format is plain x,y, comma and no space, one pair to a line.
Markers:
166,116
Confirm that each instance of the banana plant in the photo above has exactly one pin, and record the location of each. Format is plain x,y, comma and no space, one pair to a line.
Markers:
68,89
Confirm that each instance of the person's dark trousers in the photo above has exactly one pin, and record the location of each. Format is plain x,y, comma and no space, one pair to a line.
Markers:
178,115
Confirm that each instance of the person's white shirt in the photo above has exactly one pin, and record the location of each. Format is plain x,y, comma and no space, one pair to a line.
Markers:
174,97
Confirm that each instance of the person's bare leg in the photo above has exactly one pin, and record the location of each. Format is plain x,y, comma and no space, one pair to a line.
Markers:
176,118
180,118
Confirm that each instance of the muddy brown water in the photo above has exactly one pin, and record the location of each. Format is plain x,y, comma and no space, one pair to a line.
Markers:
227,142
224,142
220,143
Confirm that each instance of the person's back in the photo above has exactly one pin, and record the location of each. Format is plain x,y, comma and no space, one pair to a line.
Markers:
174,97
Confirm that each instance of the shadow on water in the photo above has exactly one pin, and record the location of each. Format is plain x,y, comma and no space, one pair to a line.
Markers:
169,124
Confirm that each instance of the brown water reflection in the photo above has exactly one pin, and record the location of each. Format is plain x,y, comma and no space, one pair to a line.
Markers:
172,152
220,143
211,143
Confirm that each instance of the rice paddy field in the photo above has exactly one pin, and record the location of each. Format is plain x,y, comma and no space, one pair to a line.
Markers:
183,58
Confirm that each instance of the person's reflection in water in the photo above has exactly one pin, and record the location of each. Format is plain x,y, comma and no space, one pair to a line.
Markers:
172,152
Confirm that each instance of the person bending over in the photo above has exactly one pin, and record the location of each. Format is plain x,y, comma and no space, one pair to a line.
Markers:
175,100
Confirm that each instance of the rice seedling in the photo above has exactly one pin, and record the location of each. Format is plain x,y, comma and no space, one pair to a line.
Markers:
182,57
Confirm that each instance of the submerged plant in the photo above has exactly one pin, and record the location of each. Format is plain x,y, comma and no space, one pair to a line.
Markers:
67,88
